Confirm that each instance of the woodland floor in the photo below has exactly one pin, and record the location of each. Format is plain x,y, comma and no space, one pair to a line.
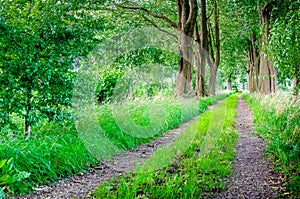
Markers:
253,176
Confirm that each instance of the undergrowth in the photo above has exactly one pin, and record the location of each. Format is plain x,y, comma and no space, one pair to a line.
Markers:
55,151
276,118
197,162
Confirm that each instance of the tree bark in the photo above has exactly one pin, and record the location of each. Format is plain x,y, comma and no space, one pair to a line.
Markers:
253,69
200,66
229,83
201,50
28,109
214,66
187,14
296,82
267,72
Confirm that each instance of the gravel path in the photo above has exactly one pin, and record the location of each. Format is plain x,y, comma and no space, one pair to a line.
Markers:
81,185
253,176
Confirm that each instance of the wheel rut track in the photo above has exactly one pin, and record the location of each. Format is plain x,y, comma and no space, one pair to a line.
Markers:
81,185
253,175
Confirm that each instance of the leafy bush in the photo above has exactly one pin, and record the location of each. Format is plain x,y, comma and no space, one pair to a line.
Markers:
9,175
106,84
276,118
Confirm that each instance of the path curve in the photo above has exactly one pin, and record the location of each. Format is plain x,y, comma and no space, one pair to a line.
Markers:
253,176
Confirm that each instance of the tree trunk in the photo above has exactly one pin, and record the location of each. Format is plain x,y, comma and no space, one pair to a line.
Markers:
267,71
27,119
229,83
201,52
214,66
296,82
296,85
200,66
253,65
187,13
212,79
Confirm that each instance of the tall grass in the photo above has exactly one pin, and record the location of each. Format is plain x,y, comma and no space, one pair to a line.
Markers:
197,161
277,119
51,153
55,151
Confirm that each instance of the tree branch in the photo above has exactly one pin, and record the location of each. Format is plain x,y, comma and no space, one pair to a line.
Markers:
193,13
159,16
210,14
156,26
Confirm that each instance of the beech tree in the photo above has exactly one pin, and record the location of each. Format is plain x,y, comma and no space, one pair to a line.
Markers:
186,21
201,51
214,43
267,73
187,15
265,34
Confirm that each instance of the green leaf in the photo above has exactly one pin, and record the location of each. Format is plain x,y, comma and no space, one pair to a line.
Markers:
4,179
22,175
2,163
2,194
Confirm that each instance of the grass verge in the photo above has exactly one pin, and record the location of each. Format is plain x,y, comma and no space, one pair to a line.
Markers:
276,119
55,151
197,161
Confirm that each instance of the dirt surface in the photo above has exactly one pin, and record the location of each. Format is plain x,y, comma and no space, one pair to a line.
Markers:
253,176
81,185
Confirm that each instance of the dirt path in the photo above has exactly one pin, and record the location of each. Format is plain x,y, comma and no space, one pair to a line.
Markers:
253,176
79,186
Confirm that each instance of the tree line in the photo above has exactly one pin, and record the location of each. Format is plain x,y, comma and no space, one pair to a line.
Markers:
40,41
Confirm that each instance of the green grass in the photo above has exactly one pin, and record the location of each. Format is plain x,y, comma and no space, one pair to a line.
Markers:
277,119
198,161
55,151
169,115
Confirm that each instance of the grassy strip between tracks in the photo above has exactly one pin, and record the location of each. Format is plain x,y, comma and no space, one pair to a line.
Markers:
197,161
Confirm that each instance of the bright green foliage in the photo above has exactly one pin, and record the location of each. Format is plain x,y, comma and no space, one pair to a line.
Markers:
39,42
9,175
285,43
190,171
139,73
107,83
276,118
237,26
